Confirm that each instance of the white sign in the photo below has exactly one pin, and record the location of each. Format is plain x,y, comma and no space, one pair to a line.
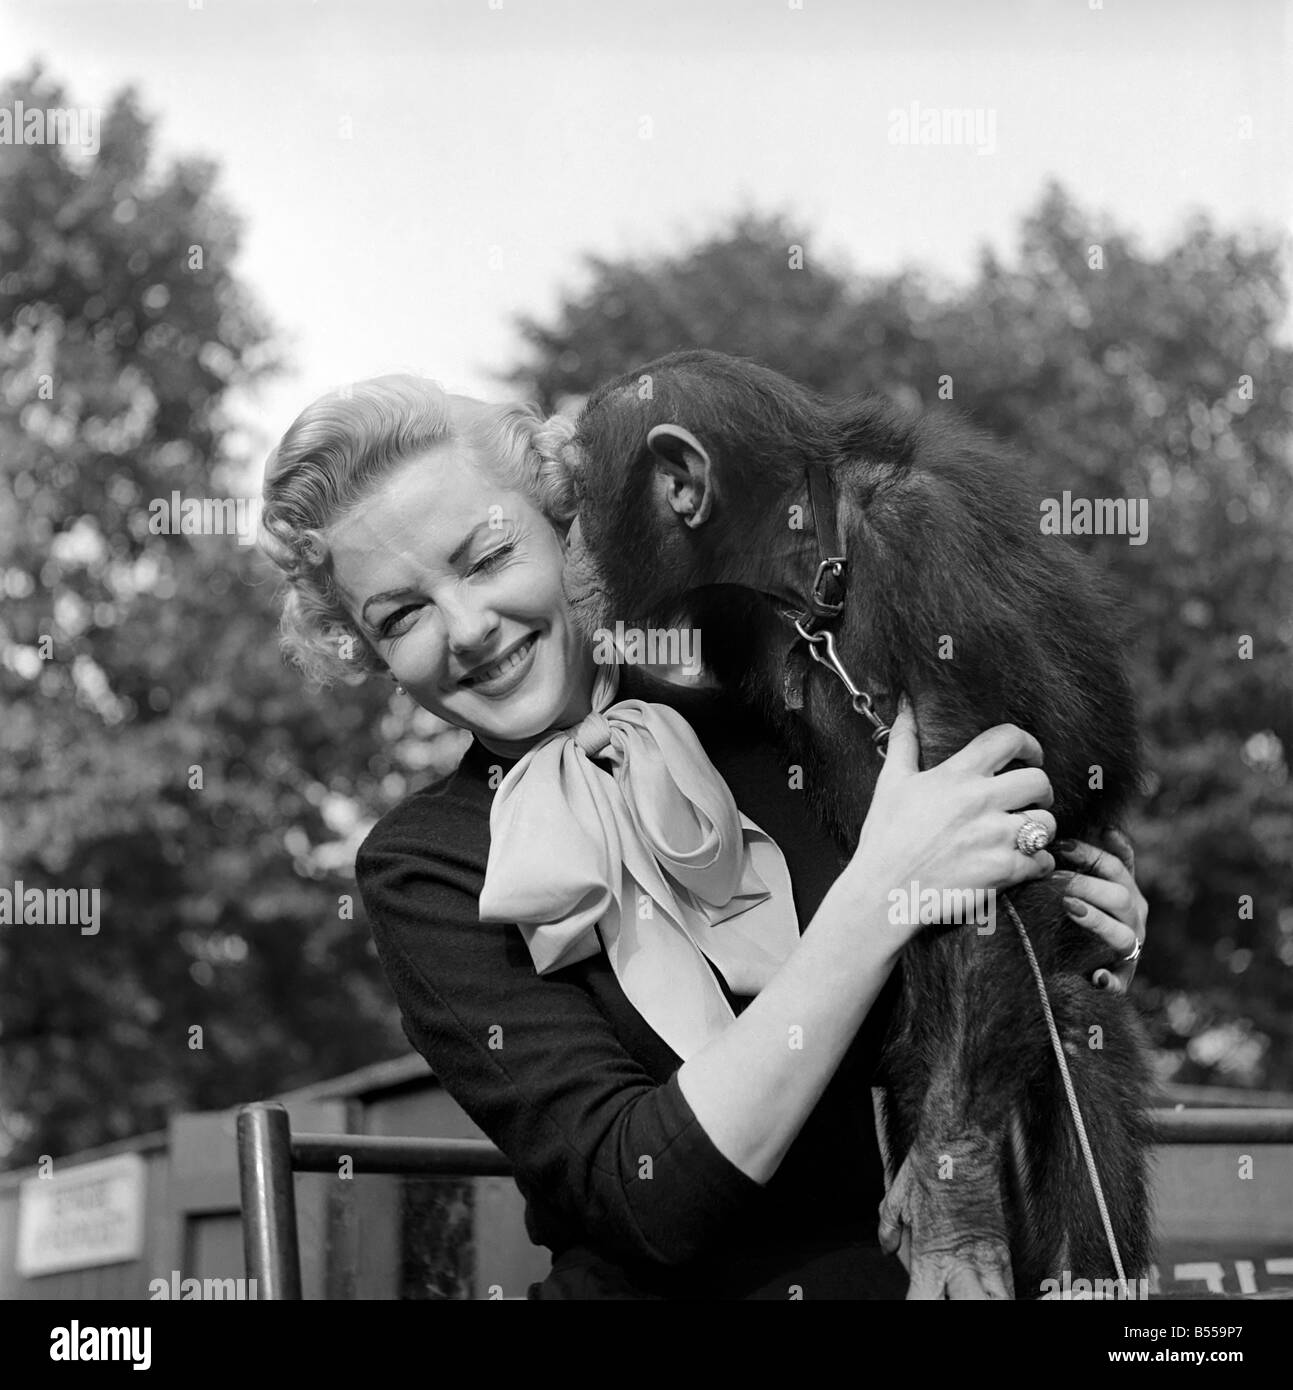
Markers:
89,1215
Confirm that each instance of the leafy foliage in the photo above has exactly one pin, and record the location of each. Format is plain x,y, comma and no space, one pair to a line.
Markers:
133,663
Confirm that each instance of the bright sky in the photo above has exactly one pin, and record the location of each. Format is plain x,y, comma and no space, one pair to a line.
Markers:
492,142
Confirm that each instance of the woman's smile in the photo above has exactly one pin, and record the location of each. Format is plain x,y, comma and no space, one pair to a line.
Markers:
504,674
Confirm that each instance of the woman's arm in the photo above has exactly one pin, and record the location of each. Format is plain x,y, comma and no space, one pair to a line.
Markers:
753,1087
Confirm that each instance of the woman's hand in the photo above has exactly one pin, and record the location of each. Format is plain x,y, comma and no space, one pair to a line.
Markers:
1101,895
953,828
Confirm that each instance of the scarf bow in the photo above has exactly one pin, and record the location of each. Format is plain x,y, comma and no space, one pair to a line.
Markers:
647,857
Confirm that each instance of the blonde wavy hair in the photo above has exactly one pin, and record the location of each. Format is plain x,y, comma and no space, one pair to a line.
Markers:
338,451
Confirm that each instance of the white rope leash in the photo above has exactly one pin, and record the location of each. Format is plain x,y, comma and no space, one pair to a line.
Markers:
878,1105
1073,1100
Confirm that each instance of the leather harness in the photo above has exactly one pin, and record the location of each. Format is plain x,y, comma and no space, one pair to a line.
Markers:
812,622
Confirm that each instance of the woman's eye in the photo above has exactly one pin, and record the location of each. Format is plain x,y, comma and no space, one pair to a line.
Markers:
397,621
493,559
391,622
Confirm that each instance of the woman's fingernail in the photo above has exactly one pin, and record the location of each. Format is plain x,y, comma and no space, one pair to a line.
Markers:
1075,908
1065,846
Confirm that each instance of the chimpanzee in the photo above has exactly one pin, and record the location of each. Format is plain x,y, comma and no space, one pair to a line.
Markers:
696,506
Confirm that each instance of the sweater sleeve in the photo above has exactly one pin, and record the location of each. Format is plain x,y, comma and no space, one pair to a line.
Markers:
533,1060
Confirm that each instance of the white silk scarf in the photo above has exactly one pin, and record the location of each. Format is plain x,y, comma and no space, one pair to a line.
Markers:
654,857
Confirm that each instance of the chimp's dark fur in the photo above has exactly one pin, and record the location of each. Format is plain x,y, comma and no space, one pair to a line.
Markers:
943,544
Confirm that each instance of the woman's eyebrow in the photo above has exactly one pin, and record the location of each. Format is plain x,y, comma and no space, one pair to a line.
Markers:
385,597
461,548
458,552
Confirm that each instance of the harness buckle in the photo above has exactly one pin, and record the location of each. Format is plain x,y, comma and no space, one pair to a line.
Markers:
830,572
825,603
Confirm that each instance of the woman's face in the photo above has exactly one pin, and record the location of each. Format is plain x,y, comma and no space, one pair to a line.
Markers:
456,581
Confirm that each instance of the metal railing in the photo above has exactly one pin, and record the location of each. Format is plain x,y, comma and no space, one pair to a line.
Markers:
269,1154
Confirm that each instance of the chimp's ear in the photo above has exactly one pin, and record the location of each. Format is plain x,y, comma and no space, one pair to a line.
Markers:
684,467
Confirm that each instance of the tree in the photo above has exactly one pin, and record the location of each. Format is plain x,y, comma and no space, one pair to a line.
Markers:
164,757
1124,375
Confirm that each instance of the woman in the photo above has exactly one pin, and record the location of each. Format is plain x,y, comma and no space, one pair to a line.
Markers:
423,535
